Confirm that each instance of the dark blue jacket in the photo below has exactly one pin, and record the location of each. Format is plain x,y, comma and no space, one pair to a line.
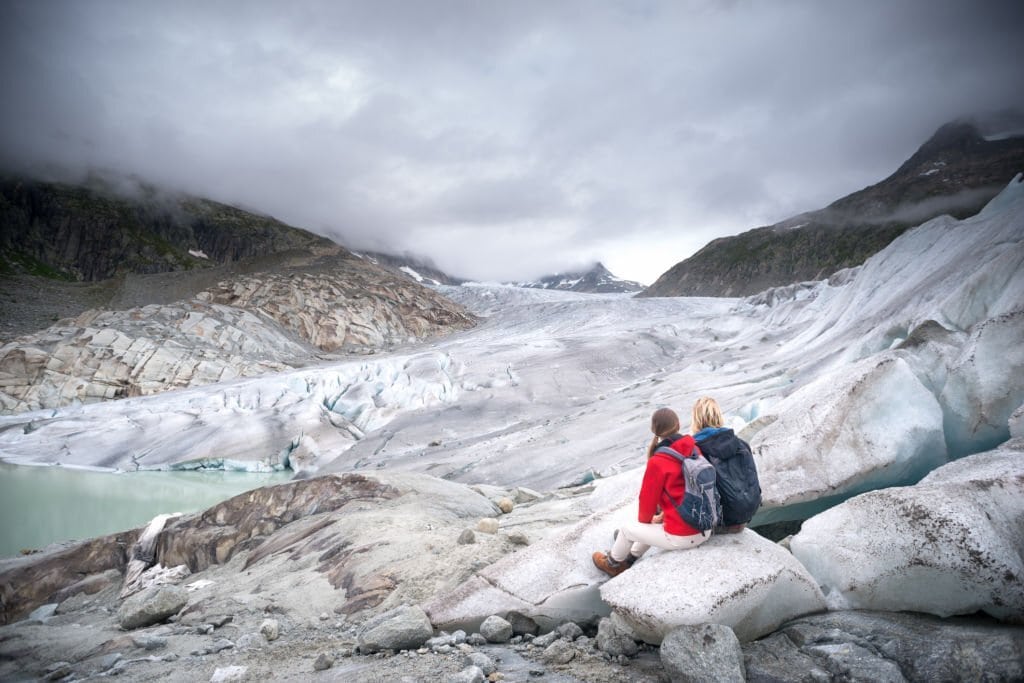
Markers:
738,485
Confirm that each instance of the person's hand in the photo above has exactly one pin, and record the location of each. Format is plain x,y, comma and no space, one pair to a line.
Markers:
658,518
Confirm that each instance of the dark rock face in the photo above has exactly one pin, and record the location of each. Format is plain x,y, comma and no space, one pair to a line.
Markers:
91,233
881,646
956,172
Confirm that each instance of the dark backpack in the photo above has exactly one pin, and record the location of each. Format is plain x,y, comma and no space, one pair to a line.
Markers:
701,506
738,484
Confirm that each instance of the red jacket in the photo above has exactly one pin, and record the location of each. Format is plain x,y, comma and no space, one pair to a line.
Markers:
663,485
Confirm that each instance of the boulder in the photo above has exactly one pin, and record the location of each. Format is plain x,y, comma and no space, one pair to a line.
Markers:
877,646
705,652
496,630
949,545
613,641
403,628
152,606
742,581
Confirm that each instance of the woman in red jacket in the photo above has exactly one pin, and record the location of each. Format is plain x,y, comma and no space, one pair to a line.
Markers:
662,487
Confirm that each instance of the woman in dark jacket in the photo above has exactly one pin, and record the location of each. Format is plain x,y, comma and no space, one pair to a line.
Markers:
738,485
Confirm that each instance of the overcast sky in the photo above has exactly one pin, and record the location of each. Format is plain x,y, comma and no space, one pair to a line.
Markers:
504,139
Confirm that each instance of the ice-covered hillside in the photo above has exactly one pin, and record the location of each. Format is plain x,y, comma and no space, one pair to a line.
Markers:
870,379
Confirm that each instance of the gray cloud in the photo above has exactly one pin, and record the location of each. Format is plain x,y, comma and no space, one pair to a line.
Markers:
503,140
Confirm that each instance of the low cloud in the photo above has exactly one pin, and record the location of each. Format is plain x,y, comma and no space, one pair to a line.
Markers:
503,138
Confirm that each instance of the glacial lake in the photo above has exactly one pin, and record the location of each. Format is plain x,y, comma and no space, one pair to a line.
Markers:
42,505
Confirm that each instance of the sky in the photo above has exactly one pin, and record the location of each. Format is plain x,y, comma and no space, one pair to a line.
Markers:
502,140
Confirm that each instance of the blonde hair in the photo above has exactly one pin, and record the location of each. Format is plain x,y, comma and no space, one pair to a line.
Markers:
706,413
664,423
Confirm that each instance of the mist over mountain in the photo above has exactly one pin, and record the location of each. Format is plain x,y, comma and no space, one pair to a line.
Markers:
955,172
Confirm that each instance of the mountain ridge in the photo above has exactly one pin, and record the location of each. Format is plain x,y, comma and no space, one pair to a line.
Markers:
956,171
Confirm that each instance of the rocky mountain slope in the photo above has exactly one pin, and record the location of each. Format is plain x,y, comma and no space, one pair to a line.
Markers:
107,227
596,279
200,293
955,172
419,269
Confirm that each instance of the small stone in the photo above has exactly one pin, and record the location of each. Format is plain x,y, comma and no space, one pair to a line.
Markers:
270,629
443,649
229,674
614,641
43,613
479,659
323,662
487,525
518,538
204,629
522,625
496,630
505,505
471,674
496,676
569,631
459,637
324,616
476,639
546,639
149,642
559,652
467,537
221,644
250,641
110,660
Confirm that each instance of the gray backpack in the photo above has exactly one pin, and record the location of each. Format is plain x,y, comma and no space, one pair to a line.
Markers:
701,506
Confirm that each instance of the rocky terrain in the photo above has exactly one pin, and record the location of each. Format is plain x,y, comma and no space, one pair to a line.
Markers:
112,292
955,172
450,497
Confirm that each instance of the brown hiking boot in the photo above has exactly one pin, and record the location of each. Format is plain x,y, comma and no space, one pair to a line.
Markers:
605,563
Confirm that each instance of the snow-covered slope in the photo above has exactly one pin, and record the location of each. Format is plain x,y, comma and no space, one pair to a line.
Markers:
867,380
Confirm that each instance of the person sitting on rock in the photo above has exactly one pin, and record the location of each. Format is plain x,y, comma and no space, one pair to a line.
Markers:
738,484
662,485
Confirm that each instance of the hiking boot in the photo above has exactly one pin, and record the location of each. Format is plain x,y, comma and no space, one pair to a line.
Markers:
605,563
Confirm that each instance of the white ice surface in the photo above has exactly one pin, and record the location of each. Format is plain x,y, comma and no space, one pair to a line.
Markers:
553,387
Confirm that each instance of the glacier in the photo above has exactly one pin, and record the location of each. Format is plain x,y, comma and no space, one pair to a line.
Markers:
868,379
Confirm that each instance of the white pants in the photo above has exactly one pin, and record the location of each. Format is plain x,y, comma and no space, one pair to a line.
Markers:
636,539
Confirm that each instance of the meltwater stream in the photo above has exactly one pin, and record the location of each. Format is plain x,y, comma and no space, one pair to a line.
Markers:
43,505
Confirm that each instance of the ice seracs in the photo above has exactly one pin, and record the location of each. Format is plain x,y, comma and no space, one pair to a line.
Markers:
949,545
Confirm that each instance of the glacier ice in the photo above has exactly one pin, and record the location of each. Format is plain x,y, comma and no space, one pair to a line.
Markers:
951,544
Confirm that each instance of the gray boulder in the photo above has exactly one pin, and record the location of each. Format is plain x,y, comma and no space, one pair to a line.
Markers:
707,652
613,641
559,652
151,606
496,630
403,628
